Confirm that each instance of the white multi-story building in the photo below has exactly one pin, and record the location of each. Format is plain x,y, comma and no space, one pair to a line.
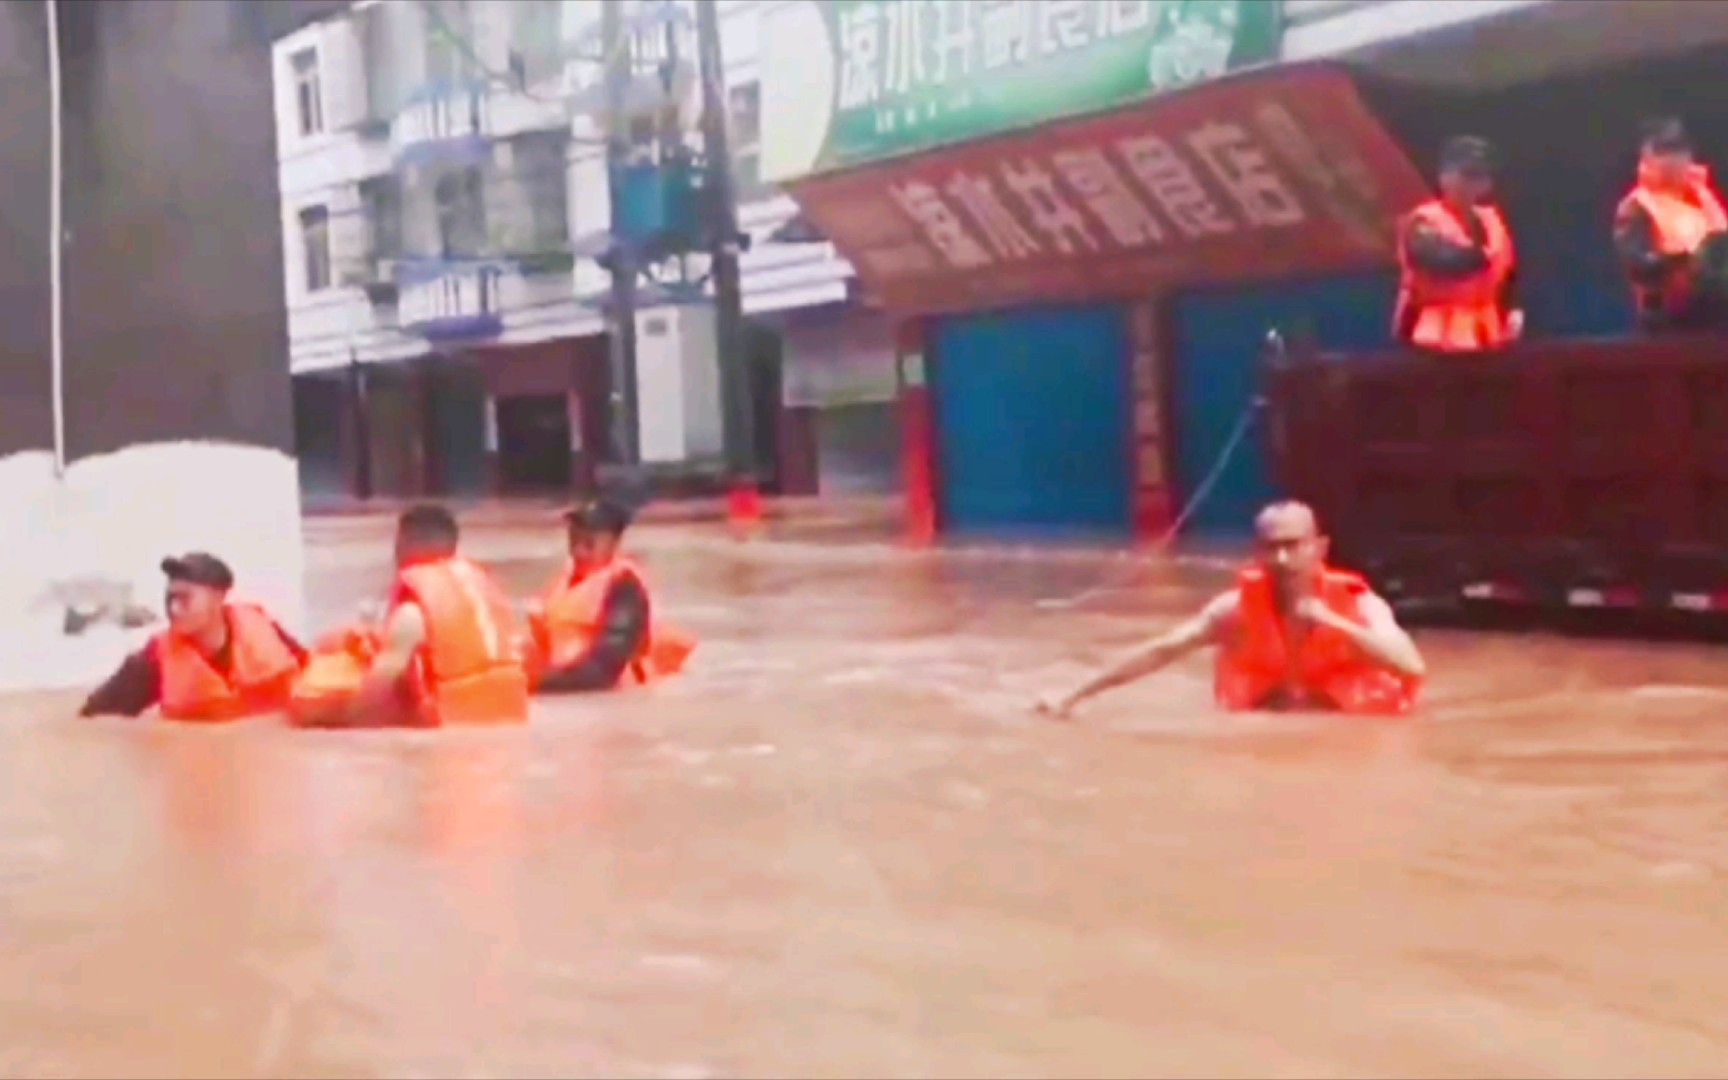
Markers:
442,186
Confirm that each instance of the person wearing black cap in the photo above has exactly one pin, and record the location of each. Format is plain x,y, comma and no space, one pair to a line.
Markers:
218,660
595,629
1662,230
1456,260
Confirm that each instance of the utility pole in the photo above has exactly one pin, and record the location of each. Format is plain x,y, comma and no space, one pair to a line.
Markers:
722,220
621,338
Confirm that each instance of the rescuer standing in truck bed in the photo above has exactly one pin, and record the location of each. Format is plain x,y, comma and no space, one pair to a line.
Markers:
1661,230
1293,633
1457,266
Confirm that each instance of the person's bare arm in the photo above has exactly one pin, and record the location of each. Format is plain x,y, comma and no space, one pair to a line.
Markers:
1205,628
379,701
1378,635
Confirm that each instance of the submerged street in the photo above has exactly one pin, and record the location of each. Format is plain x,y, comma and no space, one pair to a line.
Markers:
839,845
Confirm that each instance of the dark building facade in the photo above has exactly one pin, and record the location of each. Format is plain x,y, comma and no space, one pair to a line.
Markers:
177,429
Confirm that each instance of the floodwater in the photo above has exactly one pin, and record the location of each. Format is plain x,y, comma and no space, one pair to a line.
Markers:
840,846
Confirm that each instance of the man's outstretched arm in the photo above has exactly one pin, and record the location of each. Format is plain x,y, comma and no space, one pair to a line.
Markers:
1201,630
131,691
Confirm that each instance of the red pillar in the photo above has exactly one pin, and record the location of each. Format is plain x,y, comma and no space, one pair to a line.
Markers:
1148,446
917,434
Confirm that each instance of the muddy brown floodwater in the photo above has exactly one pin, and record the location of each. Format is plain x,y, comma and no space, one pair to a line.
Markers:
840,847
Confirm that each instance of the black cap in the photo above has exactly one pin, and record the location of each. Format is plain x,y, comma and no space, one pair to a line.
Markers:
199,568
1467,153
1665,135
599,516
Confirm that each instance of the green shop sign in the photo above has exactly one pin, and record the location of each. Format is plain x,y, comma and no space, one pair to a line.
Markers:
850,81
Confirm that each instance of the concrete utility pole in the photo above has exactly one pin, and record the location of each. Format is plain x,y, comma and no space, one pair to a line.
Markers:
722,220
621,336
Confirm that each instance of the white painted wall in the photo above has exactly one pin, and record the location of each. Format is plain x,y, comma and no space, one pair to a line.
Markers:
1337,28
112,519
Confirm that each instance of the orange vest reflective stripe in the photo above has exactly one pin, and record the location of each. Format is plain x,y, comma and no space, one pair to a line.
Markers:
570,619
1256,664
261,670
470,669
1679,220
1459,315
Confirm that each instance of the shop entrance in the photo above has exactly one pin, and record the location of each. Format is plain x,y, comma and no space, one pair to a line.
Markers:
534,443
1032,422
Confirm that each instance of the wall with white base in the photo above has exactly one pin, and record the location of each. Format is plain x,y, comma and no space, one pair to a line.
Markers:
98,537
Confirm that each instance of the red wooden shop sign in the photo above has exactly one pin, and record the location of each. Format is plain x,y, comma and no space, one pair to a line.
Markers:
1267,174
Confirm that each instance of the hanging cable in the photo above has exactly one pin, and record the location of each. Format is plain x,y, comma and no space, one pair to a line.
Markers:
1202,491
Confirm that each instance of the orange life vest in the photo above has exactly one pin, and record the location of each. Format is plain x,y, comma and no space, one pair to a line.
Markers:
1462,315
569,619
1256,665
470,668
1680,220
335,669
261,670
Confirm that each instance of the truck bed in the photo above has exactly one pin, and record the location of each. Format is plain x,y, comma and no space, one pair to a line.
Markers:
1559,475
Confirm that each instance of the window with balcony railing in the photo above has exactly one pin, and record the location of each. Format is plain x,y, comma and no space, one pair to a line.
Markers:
460,202
381,207
530,195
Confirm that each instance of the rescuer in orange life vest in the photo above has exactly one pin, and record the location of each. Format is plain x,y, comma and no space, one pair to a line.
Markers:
218,660
448,654
595,628
1292,633
1660,230
1456,261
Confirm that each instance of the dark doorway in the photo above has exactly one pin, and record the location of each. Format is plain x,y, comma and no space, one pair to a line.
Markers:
763,357
534,443
319,413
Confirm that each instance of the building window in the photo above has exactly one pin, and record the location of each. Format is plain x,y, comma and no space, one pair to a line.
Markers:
315,241
381,204
461,202
308,95
744,120
539,177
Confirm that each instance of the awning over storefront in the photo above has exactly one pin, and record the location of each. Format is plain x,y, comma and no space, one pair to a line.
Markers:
1273,173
